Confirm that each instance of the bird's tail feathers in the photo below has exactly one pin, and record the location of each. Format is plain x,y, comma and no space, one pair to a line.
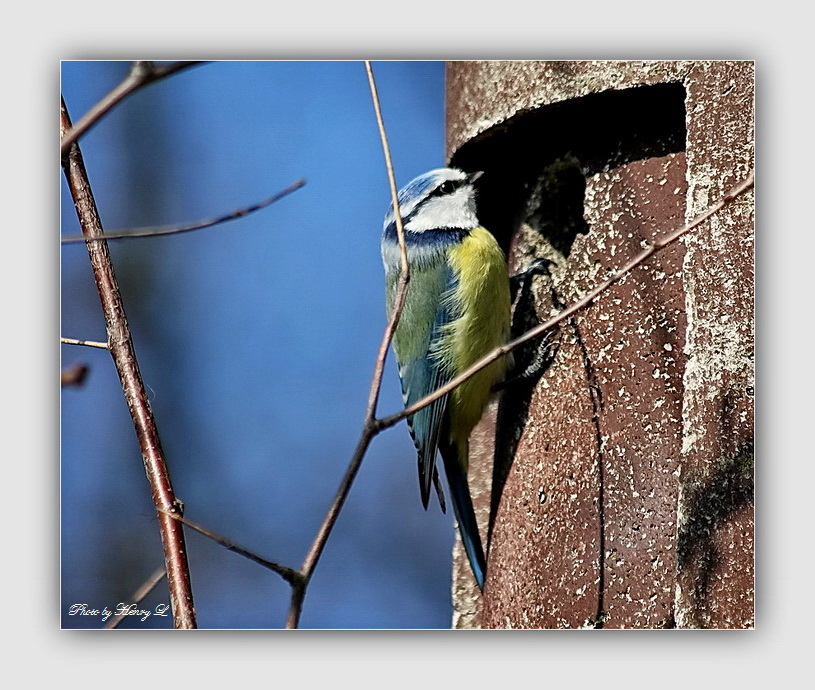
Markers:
464,512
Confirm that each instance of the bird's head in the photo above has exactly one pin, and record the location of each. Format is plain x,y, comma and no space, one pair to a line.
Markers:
437,200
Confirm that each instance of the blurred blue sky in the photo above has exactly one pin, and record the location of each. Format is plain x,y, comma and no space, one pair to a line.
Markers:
256,340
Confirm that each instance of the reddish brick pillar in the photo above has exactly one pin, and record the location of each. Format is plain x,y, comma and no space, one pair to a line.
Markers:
616,485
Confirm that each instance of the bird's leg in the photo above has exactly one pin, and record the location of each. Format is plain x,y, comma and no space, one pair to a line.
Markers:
546,349
537,267
544,355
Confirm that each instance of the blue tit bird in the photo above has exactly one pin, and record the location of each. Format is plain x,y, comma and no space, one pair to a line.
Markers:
456,310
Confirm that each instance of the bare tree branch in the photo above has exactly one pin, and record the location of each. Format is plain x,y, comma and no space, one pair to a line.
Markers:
404,272
86,343
188,227
120,345
142,73
369,429
288,574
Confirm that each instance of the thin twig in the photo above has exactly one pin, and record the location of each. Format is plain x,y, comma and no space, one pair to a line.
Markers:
188,227
499,352
369,429
142,73
404,272
120,345
289,574
86,343
137,596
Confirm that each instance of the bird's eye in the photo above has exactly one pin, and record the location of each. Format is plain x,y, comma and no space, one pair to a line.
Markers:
447,187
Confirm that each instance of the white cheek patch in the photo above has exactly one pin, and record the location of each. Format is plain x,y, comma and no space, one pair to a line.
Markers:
456,210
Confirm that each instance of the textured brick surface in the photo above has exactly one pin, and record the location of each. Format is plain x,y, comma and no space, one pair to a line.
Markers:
716,489
621,492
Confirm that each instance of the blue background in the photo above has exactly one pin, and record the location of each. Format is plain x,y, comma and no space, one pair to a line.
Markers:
256,340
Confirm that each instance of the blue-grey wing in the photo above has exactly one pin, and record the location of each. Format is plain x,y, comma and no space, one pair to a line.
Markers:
420,327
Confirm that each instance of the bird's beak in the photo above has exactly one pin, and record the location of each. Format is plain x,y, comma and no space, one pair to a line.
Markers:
473,176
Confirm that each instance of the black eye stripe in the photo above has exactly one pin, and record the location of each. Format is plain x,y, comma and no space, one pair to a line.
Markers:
447,187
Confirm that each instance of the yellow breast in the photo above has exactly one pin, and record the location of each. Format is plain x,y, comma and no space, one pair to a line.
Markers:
482,300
